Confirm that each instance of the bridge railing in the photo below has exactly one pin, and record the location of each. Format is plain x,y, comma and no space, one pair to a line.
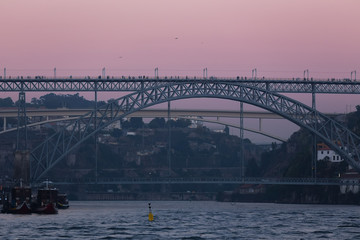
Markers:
171,78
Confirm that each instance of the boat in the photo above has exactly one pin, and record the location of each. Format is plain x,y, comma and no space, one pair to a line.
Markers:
49,208
45,201
3,200
23,208
62,201
18,202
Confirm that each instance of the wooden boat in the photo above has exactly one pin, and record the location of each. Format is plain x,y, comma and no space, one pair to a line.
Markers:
45,202
23,208
49,208
18,202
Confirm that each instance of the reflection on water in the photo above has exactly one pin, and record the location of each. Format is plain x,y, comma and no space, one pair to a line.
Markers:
186,220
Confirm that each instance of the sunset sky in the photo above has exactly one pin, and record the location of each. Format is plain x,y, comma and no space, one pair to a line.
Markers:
281,38
229,37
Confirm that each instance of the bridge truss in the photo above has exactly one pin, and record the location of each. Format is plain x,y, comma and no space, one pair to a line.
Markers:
120,84
57,146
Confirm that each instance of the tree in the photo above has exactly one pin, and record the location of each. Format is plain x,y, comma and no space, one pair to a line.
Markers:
51,100
273,145
71,101
116,133
6,102
353,120
136,122
125,124
171,122
182,123
227,130
35,101
252,169
157,123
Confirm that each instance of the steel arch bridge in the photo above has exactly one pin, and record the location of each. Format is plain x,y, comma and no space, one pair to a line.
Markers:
57,146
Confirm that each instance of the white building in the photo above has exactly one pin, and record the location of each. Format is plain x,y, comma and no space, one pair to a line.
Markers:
326,153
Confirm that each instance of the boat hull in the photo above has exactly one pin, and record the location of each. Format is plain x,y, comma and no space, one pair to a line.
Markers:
47,209
23,208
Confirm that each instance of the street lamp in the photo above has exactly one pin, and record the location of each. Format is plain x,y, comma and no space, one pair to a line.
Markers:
156,72
306,72
103,73
254,73
205,75
354,75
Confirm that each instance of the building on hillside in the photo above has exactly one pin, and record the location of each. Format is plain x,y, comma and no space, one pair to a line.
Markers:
350,181
251,189
324,152
196,123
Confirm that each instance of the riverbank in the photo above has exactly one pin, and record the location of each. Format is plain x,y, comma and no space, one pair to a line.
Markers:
292,197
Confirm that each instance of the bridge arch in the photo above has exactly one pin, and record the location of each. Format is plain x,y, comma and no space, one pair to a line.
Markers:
57,146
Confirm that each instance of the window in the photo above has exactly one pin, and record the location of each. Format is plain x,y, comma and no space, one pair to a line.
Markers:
334,158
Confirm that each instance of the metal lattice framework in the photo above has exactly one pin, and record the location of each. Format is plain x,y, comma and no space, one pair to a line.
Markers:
56,147
120,84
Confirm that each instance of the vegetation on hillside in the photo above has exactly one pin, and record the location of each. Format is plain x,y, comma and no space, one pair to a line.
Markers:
197,152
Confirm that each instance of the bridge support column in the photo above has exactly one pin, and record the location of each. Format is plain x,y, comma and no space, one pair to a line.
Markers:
169,138
21,141
4,124
314,155
260,124
22,165
96,136
242,155
314,165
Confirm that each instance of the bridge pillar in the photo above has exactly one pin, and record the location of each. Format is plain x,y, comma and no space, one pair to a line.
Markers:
242,155
260,124
21,138
314,155
4,123
22,165
95,127
169,139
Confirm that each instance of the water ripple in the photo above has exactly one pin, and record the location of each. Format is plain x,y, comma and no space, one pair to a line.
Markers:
186,220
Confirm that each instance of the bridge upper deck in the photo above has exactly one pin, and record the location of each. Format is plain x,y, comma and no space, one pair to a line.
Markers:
294,85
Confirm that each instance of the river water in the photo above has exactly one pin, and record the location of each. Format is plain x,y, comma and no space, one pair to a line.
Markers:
186,220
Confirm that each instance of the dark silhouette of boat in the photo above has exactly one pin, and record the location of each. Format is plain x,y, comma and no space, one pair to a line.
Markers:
18,201
23,208
45,201
62,201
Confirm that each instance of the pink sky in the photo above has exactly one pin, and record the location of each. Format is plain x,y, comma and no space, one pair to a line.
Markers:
231,37
281,38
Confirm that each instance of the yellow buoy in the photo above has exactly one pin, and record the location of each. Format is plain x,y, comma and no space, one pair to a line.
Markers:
151,216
